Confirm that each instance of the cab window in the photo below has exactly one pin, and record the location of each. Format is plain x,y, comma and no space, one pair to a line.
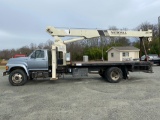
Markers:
38,54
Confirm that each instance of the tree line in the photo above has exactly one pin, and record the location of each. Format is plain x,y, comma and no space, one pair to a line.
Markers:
9,53
95,48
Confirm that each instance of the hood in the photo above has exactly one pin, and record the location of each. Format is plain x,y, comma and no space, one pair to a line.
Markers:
18,60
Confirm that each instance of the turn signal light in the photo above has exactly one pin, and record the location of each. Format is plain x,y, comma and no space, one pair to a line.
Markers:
7,67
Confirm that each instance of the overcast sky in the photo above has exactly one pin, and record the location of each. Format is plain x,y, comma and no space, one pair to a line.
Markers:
24,21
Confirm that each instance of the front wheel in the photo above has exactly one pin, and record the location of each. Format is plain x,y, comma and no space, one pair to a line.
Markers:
17,77
113,74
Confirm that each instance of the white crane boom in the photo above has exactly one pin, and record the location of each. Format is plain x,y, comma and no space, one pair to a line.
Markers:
59,46
91,33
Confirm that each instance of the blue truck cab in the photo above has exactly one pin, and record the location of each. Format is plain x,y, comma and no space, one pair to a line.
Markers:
23,68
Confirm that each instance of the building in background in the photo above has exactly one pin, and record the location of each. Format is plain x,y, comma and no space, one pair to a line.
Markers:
127,53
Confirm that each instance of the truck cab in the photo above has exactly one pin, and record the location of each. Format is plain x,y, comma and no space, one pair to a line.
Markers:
37,64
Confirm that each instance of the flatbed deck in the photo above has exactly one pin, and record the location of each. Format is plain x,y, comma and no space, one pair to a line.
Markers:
144,66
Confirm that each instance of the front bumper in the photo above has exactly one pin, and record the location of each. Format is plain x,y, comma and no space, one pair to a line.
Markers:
4,73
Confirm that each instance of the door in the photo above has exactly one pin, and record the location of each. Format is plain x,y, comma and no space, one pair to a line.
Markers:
38,60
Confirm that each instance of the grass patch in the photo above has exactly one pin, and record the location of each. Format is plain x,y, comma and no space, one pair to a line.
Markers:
2,67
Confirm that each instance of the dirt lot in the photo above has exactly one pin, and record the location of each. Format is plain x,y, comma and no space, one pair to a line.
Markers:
83,99
3,62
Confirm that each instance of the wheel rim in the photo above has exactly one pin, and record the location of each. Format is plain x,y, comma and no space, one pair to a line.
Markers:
115,75
17,78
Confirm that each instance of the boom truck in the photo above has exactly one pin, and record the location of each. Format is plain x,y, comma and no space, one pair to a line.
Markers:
52,63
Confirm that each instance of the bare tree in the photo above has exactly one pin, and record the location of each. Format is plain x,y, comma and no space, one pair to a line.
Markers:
146,26
41,46
48,44
33,46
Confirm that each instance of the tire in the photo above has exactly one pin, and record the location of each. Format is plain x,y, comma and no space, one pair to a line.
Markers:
113,75
17,77
101,73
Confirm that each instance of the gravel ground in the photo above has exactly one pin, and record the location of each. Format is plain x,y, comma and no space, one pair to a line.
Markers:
89,98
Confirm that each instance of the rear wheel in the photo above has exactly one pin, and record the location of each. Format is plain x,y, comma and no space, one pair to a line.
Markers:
113,75
17,77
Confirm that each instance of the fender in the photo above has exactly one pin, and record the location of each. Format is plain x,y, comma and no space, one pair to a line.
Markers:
12,66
